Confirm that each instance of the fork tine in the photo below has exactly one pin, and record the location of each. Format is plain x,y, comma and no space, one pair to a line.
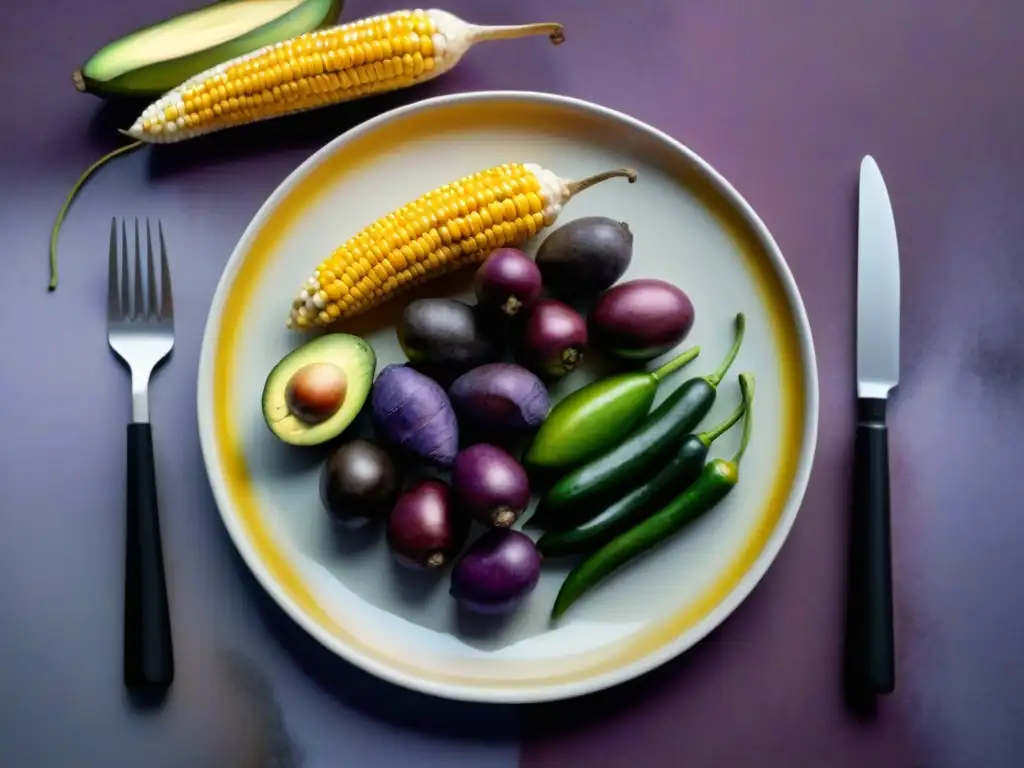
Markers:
125,276
139,303
113,301
152,308
166,302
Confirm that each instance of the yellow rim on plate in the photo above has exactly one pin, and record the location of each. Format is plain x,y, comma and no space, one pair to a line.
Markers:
234,490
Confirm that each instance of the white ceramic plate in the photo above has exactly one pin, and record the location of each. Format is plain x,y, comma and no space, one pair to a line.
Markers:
690,226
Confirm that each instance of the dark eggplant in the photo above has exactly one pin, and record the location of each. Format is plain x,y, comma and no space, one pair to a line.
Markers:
585,256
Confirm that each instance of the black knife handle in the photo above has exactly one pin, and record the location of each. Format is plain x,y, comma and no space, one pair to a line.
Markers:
869,640
148,654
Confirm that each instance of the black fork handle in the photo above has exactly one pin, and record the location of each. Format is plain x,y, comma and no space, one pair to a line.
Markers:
148,653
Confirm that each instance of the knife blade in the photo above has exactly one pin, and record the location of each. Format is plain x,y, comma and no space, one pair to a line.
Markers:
878,287
870,657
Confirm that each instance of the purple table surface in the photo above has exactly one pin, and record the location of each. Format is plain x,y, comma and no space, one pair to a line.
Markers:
784,98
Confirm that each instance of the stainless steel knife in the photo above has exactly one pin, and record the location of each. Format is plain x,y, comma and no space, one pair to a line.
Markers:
870,658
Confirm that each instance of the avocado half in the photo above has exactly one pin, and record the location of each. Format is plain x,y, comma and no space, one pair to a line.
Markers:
155,59
352,355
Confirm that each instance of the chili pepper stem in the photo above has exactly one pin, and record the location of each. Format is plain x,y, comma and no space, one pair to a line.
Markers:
55,232
747,387
675,364
716,378
717,431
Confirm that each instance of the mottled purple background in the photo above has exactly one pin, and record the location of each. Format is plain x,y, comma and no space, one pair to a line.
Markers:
783,97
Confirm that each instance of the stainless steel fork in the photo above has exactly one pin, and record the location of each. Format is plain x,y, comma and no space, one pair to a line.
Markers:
140,329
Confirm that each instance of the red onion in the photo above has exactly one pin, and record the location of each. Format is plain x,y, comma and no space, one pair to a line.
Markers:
490,484
424,528
640,319
552,339
508,282
497,573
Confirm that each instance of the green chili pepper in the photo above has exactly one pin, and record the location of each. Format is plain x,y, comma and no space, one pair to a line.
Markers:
614,472
717,479
594,418
675,477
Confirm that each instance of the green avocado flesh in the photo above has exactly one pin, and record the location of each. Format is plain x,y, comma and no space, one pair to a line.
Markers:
158,58
352,355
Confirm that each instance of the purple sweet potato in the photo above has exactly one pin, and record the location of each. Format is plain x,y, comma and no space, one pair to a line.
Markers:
412,411
500,397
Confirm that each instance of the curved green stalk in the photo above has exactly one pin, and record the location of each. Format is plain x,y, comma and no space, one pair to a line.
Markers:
716,432
55,232
716,378
675,364
747,387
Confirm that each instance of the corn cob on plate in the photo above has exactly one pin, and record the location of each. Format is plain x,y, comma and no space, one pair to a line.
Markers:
453,226
690,228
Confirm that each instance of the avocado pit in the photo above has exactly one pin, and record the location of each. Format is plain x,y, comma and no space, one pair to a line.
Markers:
316,391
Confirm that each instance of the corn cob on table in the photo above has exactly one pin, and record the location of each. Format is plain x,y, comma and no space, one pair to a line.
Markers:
350,61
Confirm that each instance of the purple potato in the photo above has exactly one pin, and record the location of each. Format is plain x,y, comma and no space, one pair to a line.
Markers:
444,338
412,411
497,572
425,530
490,484
551,340
508,282
640,319
585,256
500,397
359,483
